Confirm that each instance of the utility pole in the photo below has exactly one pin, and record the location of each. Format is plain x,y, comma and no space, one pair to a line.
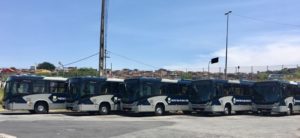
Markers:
225,71
102,50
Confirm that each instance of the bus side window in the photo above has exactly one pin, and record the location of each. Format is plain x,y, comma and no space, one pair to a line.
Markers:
39,87
288,91
89,88
114,88
150,89
227,91
238,91
297,91
104,89
246,91
121,88
164,90
184,89
219,90
73,89
58,87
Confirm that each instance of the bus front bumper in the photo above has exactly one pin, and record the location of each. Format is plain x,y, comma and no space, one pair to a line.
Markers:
207,108
137,108
85,107
269,108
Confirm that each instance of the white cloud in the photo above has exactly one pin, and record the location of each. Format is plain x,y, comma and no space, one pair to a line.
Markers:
259,51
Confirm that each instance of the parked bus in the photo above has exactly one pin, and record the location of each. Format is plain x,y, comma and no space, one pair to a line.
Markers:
220,96
34,93
276,97
155,95
93,94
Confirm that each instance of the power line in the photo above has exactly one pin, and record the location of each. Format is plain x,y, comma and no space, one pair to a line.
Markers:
133,60
267,21
119,55
85,58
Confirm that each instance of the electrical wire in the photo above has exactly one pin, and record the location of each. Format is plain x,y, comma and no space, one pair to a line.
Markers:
82,59
267,21
116,54
133,60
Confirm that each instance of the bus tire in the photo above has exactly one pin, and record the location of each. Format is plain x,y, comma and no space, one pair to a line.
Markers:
104,109
41,108
159,109
290,110
227,109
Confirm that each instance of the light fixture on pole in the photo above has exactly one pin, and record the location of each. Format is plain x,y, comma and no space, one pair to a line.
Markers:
63,68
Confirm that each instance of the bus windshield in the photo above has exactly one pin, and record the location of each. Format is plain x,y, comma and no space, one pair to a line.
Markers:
132,90
136,90
266,92
20,87
73,88
202,91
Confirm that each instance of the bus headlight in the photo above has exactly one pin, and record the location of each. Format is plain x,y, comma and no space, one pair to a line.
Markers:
29,102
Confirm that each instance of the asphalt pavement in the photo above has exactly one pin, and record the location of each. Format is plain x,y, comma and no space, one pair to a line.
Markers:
68,124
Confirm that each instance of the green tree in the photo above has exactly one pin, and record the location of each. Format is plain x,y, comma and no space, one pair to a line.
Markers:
46,65
186,75
262,76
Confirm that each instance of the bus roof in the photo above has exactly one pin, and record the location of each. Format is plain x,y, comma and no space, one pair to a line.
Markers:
185,81
89,78
55,78
242,82
115,80
169,81
144,79
212,80
279,81
21,77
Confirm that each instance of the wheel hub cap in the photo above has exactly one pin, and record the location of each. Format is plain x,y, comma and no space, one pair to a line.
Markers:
41,108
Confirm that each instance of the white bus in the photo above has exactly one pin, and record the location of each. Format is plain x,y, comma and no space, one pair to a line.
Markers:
221,96
276,97
34,93
94,94
155,95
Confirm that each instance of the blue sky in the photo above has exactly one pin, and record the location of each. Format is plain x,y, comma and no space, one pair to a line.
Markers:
172,34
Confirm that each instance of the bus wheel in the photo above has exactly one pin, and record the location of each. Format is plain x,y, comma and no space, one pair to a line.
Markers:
41,108
227,109
290,110
159,110
104,109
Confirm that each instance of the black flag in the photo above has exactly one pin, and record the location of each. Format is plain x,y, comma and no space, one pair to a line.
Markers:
214,60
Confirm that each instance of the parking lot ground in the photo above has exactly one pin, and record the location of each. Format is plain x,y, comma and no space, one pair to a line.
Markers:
69,124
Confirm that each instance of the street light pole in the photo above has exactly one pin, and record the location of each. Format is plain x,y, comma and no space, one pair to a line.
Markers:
208,70
225,71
